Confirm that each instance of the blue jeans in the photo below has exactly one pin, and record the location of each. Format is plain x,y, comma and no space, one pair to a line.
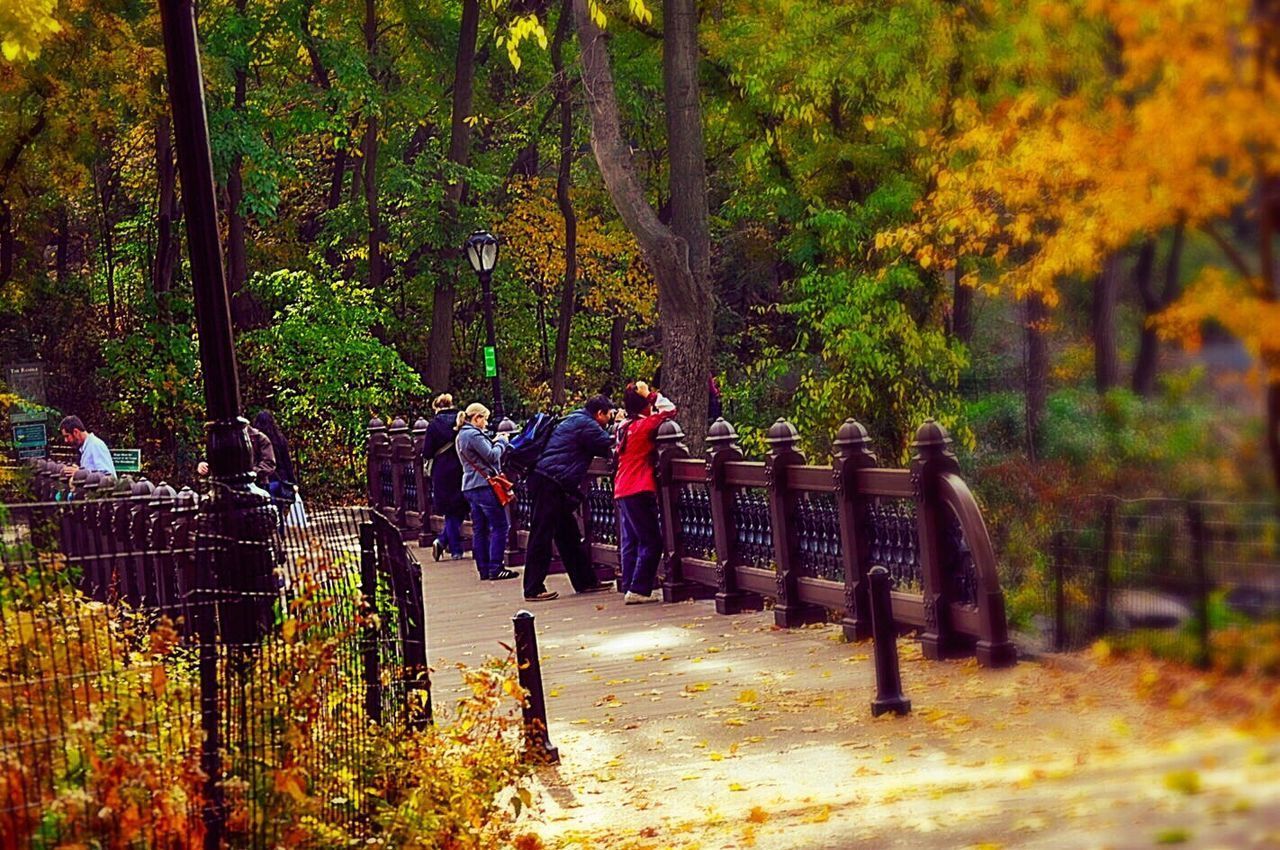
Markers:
641,542
451,536
488,530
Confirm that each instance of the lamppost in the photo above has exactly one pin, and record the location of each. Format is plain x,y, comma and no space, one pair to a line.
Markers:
482,253
234,585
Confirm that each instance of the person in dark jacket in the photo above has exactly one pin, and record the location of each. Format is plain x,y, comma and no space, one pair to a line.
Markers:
555,487
282,482
446,476
635,489
482,459
263,458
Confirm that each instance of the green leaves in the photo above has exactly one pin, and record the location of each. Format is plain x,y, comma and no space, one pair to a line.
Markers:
324,373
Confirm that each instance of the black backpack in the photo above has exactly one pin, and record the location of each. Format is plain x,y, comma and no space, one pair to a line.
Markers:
527,446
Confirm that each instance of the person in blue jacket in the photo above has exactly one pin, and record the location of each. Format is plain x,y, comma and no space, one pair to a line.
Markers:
555,487
481,460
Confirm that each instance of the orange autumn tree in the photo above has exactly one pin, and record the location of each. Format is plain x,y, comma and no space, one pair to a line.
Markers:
614,287
1176,122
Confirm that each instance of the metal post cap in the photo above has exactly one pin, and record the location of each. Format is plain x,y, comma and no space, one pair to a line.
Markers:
781,433
721,433
852,433
931,434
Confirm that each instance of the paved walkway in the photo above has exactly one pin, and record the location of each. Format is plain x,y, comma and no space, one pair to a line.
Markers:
679,728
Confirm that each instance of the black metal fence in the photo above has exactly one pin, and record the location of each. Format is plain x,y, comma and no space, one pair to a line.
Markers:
1166,572
152,690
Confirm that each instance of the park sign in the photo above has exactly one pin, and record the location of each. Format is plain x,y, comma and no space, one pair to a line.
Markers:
26,380
30,439
127,460
490,362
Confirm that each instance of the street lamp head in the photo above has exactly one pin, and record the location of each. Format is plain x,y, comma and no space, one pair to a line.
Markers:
482,251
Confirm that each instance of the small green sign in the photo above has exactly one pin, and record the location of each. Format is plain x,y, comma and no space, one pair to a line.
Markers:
490,362
30,435
127,460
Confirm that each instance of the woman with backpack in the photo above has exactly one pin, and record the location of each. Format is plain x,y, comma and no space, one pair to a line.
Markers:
482,460
446,476
635,490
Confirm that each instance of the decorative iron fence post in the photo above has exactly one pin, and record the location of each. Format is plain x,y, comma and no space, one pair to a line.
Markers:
671,447
782,439
369,628
374,454
514,554
722,448
139,522
537,740
1195,520
1102,611
159,518
852,451
401,452
426,534
1059,592
932,457
173,588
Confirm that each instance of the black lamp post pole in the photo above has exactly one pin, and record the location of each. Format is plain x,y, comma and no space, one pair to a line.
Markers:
491,340
230,459
230,603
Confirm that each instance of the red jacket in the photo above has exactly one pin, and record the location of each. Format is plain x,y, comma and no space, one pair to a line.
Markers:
635,452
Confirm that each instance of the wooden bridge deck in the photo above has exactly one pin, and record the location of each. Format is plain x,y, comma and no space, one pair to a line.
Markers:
680,728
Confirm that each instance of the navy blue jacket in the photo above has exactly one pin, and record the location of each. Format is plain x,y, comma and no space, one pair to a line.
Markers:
446,469
574,443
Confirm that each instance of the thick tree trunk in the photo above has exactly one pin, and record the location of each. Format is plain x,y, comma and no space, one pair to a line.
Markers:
1106,366
166,207
679,267
8,247
564,320
688,354
242,310
617,340
1036,379
370,150
1148,361
961,310
105,185
62,248
440,342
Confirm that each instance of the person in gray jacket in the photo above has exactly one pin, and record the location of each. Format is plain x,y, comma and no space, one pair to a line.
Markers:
482,458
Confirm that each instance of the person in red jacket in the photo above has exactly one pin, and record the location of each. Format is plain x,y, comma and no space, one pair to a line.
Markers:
635,490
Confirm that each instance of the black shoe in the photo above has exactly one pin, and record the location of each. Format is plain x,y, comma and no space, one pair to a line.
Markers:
597,588
437,548
503,574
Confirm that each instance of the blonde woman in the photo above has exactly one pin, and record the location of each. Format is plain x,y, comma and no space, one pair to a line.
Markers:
481,459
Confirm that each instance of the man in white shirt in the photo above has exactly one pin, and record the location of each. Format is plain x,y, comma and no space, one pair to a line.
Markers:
94,454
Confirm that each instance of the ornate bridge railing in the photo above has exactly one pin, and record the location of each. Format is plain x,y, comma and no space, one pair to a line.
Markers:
801,535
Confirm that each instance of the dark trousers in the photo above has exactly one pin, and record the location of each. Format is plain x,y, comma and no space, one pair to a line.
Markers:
451,536
552,519
641,542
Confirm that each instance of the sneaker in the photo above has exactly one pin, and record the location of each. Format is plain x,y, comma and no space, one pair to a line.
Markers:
437,548
500,575
633,598
544,596
596,588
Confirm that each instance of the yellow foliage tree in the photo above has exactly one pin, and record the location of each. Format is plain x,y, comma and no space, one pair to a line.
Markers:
1177,123
25,25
